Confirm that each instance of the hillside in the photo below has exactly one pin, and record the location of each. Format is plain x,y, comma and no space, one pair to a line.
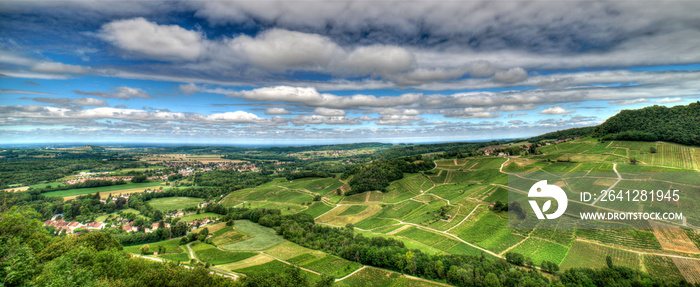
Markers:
679,124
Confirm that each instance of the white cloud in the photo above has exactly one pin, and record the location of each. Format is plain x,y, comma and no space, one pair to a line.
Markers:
393,111
118,93
311,97
79,102
510,76
330,120
278,49
23,92
162,42
556,110
59,68
378,59
329,112
234,117
628,102
276,111
669,100
189,89
397,120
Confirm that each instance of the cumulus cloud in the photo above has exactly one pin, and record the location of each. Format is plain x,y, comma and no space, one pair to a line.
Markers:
329,112
189,89
311,97
378,59
78,102
279,49
148,39
471,113
669,100
319,119
276,111
556,110
118,93
510,76
397,120
628,102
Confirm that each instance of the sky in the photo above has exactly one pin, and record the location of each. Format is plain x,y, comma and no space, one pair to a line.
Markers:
317,72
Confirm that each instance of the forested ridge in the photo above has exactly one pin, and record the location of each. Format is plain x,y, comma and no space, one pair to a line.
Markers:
378,174
679,124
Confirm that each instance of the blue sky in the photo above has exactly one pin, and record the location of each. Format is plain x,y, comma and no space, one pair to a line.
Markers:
307,72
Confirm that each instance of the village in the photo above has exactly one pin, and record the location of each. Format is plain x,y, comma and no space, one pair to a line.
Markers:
75,228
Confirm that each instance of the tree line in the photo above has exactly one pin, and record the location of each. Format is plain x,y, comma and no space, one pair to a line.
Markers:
378,174
679,124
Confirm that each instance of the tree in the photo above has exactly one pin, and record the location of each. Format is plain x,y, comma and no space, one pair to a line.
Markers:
633,160
145,249
491,280
139,179
652,149
179,229
515,258
550,267
609,261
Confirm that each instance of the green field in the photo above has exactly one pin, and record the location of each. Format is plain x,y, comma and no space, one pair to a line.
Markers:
332,266
275,266
200,216
174,203
261,237
112,188
541,250
662,267
211,254
584,254
317,208
381,278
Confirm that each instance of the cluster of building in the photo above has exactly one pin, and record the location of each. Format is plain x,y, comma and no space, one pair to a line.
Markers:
70,227
84,178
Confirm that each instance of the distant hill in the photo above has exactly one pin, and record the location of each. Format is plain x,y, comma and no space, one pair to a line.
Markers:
563,134
679,124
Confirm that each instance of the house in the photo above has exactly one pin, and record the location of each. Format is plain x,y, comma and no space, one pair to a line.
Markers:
129,228
156,225
95,225
73,225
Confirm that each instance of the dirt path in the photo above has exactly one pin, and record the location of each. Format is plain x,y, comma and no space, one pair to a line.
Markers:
468,215
353,273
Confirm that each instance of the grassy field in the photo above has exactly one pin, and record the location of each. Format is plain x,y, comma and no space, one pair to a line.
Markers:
382,278
662,267
104,190
317,208
333,266
200,216
275,266
541,250
228,235
584,254
211,254
174,203
261,237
